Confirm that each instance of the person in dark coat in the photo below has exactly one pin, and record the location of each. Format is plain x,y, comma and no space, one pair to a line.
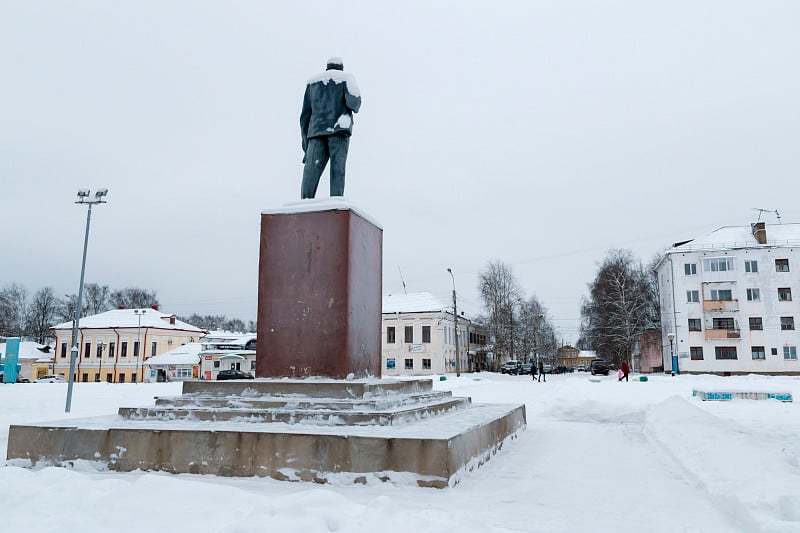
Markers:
625,370
326,123
540,368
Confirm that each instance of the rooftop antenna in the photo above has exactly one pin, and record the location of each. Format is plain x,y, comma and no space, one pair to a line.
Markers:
401,279
762,211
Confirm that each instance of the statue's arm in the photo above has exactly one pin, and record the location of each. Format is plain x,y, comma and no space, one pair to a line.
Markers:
352,95
305,117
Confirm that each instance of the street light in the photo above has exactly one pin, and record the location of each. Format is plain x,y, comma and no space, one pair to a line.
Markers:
455,324
100,346
83,198
671,338
138,313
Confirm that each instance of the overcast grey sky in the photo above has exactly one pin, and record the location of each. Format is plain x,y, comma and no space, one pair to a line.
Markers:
537,133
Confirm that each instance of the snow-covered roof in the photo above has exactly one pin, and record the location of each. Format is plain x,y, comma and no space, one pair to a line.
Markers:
588,354
730,237
415,302
183,355
131,318
227,339
28,350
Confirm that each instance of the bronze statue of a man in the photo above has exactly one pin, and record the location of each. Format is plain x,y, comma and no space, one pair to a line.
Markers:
326,124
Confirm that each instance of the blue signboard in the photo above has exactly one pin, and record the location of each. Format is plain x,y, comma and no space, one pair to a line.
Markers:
10,363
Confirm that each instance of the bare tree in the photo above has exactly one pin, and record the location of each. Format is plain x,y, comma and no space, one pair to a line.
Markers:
13,311
620,307
500,292
133,298
97,298
43,312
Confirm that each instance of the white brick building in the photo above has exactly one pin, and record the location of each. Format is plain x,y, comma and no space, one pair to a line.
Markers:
419,336
732,301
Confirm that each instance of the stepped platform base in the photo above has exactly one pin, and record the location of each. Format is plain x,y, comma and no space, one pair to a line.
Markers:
310,430
746,395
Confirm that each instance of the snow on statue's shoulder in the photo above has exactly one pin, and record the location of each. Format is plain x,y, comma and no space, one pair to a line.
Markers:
312,205
336,76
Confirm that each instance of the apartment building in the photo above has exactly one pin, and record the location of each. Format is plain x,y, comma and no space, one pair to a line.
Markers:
730,301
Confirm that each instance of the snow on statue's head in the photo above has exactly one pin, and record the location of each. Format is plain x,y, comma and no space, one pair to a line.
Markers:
335,63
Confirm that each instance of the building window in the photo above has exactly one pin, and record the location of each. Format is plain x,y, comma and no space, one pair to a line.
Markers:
99,353
426,364
790,353
692,296
122,376
426,334
390,364
409,334
109,378
787,323
723,323
153,348
87,350
696,353
751,266
753,295
721,294
390,335
690,269
695,324
216,364
758,352
183,372
124,350
725,352
774,351
718,264
85,377
781,265
784,294
409,364
112,346
756,323
136,348
63,350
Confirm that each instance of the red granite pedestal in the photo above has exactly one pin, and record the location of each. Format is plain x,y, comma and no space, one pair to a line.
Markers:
319,292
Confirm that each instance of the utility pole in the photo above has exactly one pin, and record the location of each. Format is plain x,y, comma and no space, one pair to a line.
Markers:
455,324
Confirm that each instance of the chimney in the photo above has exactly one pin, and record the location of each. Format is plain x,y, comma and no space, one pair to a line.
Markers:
760,232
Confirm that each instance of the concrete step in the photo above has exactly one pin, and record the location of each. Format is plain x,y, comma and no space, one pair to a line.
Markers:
434,452
310,388
197,400
294,415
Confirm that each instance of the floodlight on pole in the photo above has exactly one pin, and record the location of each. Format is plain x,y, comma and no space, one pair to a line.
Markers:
455,324
83,198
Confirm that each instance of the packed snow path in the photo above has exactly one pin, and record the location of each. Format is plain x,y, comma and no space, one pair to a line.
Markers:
602,456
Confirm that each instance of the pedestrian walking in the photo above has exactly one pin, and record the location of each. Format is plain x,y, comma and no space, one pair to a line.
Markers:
540,367
625,371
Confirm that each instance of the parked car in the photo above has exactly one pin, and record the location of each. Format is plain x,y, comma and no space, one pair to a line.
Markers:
548,369
233,374
599,366
581,368
51,378
528,368
511,367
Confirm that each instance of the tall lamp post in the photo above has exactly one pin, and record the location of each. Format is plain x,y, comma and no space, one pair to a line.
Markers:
83,198
671,338
138,313
455,323
100,346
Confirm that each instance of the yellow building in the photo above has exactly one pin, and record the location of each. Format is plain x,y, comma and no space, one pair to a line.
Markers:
574,358
113,346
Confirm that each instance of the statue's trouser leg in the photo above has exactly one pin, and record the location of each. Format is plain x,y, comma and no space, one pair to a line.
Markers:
316,159
338,145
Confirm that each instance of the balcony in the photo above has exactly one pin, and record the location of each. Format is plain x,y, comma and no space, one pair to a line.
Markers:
720,305
721,334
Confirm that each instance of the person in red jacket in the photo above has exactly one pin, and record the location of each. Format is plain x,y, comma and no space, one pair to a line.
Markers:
625,370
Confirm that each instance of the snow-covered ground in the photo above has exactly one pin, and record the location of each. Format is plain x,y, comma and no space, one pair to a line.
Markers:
596,456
